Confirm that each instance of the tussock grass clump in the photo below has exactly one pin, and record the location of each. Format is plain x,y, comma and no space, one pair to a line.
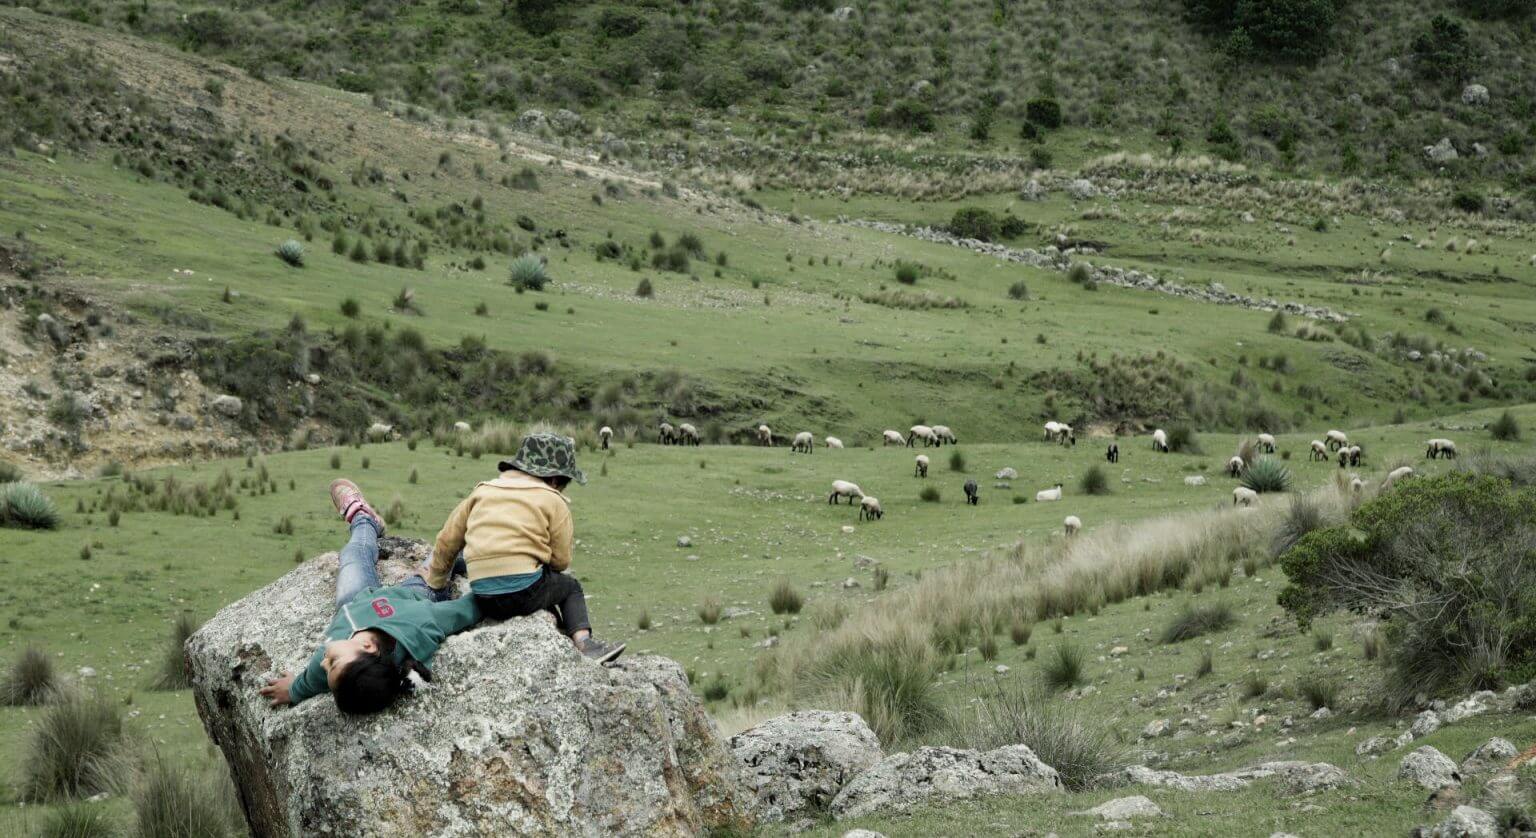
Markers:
891,681
1255,684
1018,291
175,673
1505,428
1020,632
1319,689
30,679
1303,515
1063,669
643,623
1198,620
25,506
1322,639
1094,482
1266,474
709,611
920,301
9,473
929,494
82,820
1016,713
177,800
72,748
784,599
1206,665
956,461
1182,439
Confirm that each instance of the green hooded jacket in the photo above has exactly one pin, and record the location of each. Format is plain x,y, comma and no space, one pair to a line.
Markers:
407,614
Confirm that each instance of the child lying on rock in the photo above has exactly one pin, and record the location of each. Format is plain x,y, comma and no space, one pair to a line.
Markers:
380,634
515,533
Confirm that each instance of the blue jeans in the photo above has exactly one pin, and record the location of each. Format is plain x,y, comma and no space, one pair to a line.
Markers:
359,568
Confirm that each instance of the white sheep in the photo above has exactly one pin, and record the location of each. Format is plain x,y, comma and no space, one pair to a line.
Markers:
833,442
687,434
1235,466
1396,475
764,435
922,466
1440,447
1356,485
1071,524
1049,494
1356,454
944,434
924,433
461,427
1160,440
844,489
1319,450
605,434
666,434
803,443
380,431
1051,429
1336,440
1244,496
893,438
1267,442
869,509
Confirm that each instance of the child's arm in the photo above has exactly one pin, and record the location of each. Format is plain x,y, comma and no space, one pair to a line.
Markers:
561,534
450,540
309,683
456,615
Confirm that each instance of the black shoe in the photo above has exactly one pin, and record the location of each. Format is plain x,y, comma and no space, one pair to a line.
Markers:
599,652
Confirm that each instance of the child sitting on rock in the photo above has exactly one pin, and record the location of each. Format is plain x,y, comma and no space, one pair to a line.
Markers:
380,634
515,533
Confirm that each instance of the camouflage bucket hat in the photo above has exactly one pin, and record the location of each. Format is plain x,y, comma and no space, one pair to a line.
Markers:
546,455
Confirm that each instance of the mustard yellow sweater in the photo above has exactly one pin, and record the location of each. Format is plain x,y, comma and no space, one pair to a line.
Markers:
514,524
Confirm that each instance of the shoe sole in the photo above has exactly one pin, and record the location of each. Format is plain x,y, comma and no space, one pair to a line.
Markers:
613,655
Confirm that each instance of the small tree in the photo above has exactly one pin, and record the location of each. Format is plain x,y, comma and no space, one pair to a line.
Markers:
1444,51
1505,428
974,223
1044,112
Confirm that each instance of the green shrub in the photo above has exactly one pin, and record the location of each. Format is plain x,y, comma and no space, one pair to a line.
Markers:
175,672
30,679
68,411
1319,689
10,473
1255,684
644,289
1207,664
784,599
1322,639
1468,200
907,115
1266,474
70,748
929,494
1505,428
1303,515
1288,30
81,820
709,611
1019,632
350,308
291,252
1018,291
906,273
1044,112
1181,438
24,506
890,680
172,799
1094,482
1444,51
1079,273
974,223
956,461
1082,751
528,273
1278,324
1064,668
1195,621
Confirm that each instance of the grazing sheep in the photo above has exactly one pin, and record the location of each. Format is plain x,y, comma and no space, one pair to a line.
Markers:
802,443
380,431
1049,494
1160,440
461,427
1112,454
893,438
922,466
924,433
1267,442
1066,435
1319,450
1439,447
944,434
1052,428
1244,496
666,434
1343,458
1336,440
605,434
687,434
1396,475
844,489
972,493
1356,485
869,509
1356,454
1071,524
833,442
765,435
1235,466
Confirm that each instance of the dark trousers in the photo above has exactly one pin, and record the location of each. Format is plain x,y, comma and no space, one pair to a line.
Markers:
556,593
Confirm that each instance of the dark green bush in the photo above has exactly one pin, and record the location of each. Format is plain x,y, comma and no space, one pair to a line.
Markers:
1095,482
1044,112
1195,621
1468,200
974,223
1505,428
1444,52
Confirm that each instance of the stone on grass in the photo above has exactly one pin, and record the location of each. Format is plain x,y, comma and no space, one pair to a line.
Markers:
516,733
1374,746
1463,822
1424,724
1429,768
1472,705
1125,808
227,405
863,833
930,776
797,763
1489,756
1441,152
1474,94
1156,728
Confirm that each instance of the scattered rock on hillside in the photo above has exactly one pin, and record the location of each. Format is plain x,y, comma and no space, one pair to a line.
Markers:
863,833
1424,724
1441,152
797,763
227,405
1125,808
1194,480
843,14
1473,705
1374,746
1156,728
1489,756
932,775
1082,189
1298,777
1007,473
567,121
1462,822
684,541
1033,191
1429,768
1474,94
516,734
532,121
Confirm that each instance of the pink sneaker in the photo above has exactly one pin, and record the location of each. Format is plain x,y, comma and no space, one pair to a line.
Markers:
350,502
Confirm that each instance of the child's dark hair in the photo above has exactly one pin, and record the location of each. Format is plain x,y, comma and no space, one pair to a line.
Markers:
371,683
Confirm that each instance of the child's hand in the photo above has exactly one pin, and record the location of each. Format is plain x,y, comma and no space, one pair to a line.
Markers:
276,690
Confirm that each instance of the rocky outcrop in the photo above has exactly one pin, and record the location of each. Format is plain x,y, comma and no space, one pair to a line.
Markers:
1429,768
1298,777
1125,808
926,776
1489,756
516,734
1462,822
797,763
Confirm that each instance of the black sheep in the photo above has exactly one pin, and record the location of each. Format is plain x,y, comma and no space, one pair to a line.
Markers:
972,493
1113,454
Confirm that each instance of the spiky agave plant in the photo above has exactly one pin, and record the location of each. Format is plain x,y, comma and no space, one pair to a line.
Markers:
529,273
292,252
1266,474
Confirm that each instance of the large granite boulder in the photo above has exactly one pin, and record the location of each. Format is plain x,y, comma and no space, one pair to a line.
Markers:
516,735
798,762
929,776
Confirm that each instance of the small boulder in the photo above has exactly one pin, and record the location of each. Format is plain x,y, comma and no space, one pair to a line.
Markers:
1125,808
379,432
532,120
1441,152
1429,768
843,14
932,775
1007,473
1156,728
1463,822
1194,480
1424,724
227,405
1474,94
797,763
1489,756
1374,746
1468,707
461,427
567,121
1082,189
684,541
